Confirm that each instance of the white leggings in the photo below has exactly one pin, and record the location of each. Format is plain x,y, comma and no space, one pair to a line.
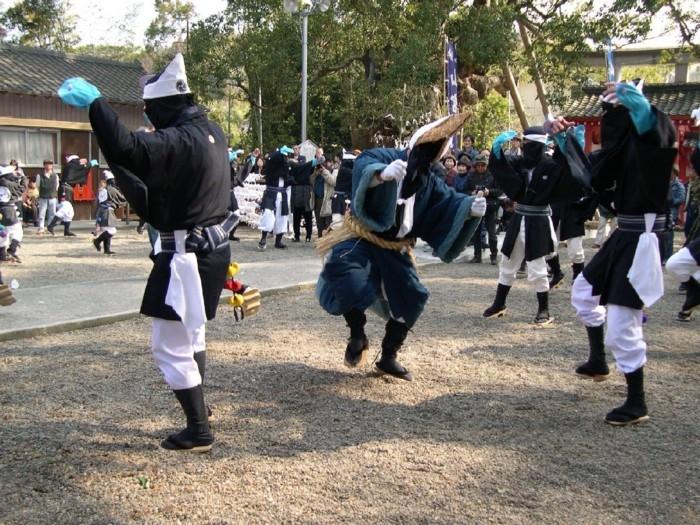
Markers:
683,266
173,350
509,266
624,335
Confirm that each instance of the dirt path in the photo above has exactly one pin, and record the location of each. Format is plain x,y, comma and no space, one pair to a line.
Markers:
495,428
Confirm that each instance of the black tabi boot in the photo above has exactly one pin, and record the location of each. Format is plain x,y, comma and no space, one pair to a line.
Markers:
66,230
97,242
542,318
692,299
358,344
52,225
12,251
394,337
108,244
634,409
201,359
232,235
263,242
576,268
557,274
278,242
4,257
596,367
498,308
197,437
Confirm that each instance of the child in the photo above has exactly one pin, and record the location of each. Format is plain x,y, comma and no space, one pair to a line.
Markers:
64,214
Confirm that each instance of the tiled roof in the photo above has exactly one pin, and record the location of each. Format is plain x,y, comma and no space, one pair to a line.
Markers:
672,99
32,71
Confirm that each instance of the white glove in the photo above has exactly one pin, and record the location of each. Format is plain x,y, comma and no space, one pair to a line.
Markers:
394,171
478,208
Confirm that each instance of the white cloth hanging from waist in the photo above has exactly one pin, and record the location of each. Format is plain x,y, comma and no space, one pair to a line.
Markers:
646,274
184,293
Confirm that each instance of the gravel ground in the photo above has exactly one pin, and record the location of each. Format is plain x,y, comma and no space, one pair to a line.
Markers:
48,260
494,429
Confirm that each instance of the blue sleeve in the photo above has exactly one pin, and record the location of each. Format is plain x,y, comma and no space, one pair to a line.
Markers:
442,218
638,105
375,207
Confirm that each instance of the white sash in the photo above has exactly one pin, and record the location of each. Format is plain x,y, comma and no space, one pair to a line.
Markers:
646,274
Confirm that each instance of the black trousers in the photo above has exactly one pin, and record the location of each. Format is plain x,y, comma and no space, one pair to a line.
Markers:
308,220
488,222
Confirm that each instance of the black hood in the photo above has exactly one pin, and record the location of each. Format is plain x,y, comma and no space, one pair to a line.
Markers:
165,112
276,166
533,151
615,125
418,166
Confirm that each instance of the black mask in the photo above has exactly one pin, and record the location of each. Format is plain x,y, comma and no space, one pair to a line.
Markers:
615,126
532,153
166,111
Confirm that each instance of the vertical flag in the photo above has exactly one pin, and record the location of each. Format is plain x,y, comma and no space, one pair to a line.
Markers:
451,83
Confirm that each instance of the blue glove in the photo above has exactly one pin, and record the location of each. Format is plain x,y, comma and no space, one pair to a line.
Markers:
232,156
94,163
580,133
638,105
78,92
286,150
504,137
560,139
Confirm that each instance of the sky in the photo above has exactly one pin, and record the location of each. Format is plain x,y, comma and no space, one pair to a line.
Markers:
98,21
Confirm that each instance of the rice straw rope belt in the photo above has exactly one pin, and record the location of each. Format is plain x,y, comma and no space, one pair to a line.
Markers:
352,228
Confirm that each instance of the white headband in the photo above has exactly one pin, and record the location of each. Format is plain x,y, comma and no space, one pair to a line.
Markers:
536,137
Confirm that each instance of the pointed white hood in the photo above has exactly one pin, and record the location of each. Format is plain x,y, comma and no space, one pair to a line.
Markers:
171,81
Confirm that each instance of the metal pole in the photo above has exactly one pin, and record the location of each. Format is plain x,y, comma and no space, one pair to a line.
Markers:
260,135
304,76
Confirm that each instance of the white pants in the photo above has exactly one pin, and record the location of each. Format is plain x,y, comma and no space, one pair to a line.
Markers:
683,266
44,206
509,266
574,251
274,221
173,350
13,232
624,335
601,235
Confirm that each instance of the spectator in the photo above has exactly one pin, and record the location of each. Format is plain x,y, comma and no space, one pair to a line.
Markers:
604,216
675,197
323,182
47,183
30,204
482,180
450,164
460,180
515,147
692,203
302,199
469,150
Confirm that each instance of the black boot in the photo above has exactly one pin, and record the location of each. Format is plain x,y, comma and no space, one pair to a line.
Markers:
498,308
108,244
394,337
66,230
596,367
4,257
52,225
557,274
542,317
477,258
232,235
201,359
97,242
692,299
576,268
634,409
12,251
356,351
278,242
263,242
197,437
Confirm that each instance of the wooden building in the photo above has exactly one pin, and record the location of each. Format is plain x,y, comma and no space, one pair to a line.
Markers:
35,125
676,100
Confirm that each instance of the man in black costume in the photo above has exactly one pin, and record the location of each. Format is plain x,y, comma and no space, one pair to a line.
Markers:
177,179
635,163
534,181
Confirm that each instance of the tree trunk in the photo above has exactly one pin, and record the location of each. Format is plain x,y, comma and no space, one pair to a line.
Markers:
515,95
534,70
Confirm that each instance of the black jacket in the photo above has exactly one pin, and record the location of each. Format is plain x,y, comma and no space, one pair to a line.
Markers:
481,181
184,167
